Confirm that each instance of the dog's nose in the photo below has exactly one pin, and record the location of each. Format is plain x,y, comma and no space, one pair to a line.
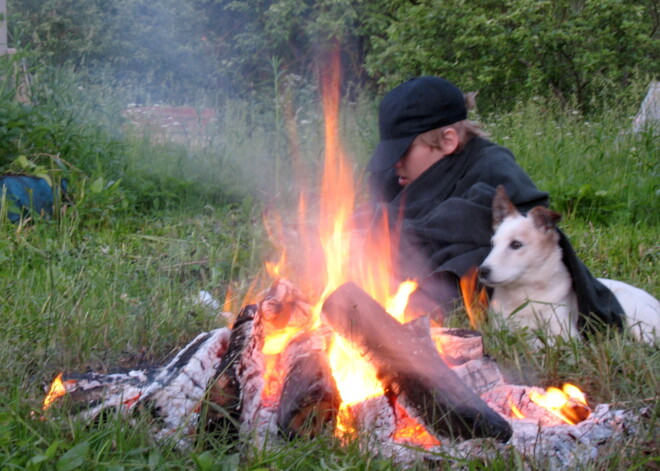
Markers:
484,272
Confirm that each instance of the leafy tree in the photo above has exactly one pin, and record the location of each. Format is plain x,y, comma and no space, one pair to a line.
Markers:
250,34
159,47
510,49
576,50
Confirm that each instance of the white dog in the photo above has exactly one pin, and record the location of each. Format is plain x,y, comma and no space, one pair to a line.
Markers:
532,285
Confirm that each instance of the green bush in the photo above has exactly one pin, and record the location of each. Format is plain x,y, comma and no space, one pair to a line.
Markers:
510,50
158,49
585,50
77,132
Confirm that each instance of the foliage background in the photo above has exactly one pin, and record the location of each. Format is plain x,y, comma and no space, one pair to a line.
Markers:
582,52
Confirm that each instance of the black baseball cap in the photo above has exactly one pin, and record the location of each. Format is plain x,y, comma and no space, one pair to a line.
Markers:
412,108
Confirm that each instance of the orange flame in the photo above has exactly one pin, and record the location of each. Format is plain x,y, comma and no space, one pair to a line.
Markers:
475,302
408,430
57,390
273,378
330,254
273,269
226,306
396,305
568,403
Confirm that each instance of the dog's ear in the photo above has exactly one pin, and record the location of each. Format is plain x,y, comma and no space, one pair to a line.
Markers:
503,207
544,218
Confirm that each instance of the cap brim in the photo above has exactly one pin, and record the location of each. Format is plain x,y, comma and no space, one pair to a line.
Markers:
388,153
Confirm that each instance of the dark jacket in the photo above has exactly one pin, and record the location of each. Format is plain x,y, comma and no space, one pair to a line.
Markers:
445,222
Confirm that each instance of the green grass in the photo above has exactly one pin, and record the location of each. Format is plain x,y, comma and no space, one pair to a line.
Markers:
110,285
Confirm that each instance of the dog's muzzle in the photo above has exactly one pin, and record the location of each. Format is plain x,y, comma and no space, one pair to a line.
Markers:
484,274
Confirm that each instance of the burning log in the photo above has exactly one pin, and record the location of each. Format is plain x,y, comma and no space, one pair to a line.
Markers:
235,393
409,367
284,306
171,392
480,375
310,400
548,408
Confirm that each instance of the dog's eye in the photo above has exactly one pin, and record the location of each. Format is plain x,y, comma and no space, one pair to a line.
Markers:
515,245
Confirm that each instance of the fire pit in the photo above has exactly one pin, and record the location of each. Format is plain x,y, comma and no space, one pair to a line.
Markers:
437,393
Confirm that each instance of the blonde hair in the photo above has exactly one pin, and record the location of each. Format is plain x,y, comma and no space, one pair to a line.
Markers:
466,129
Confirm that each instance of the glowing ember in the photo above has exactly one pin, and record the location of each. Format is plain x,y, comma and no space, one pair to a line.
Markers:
408,430
57,389
273,379
515,410
411,431
568,403
132,400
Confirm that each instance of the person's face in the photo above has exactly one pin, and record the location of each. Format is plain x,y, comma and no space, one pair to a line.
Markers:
417,160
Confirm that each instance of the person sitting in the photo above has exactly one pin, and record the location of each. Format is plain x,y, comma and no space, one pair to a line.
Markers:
434,174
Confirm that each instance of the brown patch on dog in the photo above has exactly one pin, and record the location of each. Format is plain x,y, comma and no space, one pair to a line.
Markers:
544,218
503,207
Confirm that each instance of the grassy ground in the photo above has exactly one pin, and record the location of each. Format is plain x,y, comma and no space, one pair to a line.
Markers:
102,290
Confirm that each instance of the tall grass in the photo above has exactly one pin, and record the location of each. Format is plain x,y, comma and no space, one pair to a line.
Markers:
104,285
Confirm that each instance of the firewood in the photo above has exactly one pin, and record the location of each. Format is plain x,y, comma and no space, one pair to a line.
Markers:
235,392
284,306
310,400
458,346
171,392
374,420
409,366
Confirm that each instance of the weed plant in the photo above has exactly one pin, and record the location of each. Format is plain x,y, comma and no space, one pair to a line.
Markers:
106,285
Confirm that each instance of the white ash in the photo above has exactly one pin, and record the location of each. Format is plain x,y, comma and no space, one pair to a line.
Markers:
564,445
374,418
173,391
480,375
264,432
251,377
553,447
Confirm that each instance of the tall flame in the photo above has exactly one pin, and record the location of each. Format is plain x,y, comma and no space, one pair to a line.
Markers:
332,254
337,192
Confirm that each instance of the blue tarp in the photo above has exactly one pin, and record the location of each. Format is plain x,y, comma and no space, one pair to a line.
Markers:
27,193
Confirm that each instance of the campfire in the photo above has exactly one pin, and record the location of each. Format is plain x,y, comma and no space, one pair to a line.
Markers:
337,351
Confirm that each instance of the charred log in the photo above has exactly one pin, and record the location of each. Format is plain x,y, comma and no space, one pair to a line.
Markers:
375,419
284,306
171,392
237,384
310,400
409,366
